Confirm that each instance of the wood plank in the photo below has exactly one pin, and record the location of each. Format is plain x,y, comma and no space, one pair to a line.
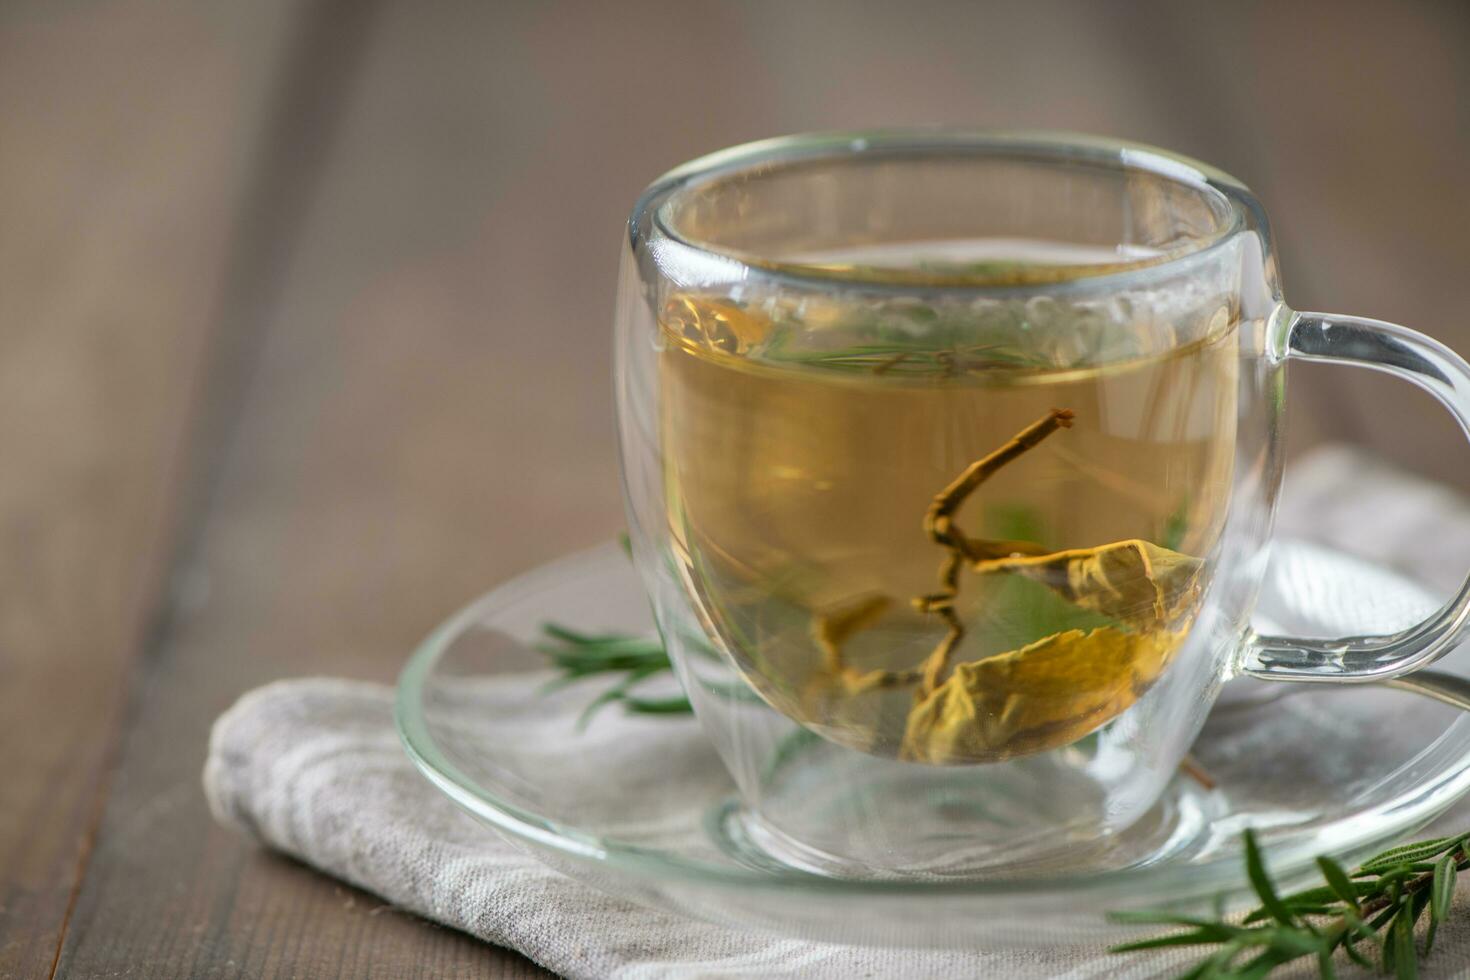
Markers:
430,409
123,126
167,893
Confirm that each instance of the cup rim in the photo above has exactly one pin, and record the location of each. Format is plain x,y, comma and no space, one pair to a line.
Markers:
692,263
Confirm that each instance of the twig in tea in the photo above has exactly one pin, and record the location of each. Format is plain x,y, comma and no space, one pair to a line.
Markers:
832,630
1191,767
939,525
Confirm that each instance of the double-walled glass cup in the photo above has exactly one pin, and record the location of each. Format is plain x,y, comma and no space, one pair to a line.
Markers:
950,462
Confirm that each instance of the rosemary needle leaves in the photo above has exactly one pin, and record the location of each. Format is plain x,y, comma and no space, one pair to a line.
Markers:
1369,915
630,659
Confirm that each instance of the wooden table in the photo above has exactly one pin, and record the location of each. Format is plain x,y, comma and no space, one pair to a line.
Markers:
304,341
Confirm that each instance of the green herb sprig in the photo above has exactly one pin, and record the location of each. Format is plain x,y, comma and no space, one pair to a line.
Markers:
630,659
1377,906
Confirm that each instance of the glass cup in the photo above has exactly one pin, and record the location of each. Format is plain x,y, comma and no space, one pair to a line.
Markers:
950,462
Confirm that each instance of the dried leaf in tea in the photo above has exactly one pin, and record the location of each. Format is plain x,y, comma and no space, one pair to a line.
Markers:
1046,694
1136,582
832,629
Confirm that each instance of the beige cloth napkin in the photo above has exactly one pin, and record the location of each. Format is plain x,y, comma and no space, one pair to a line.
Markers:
313,768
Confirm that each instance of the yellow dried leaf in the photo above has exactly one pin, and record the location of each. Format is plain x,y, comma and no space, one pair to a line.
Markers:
1136,582
832,629
1044,695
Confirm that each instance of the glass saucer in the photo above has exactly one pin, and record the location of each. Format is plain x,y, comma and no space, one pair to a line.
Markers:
641,807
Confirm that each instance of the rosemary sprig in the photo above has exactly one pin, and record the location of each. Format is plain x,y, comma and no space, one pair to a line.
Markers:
1379,905
631,659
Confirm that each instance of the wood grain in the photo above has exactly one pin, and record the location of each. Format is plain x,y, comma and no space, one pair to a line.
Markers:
408,295
166,893
123,127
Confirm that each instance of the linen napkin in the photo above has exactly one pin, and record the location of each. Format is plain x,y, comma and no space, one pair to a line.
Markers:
313,768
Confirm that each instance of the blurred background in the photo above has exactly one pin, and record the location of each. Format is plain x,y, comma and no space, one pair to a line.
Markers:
305,336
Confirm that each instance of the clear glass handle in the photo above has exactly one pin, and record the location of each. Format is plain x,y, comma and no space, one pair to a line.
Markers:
1444,374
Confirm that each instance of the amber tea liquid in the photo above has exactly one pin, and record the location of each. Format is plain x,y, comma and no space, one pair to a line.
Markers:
942,545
